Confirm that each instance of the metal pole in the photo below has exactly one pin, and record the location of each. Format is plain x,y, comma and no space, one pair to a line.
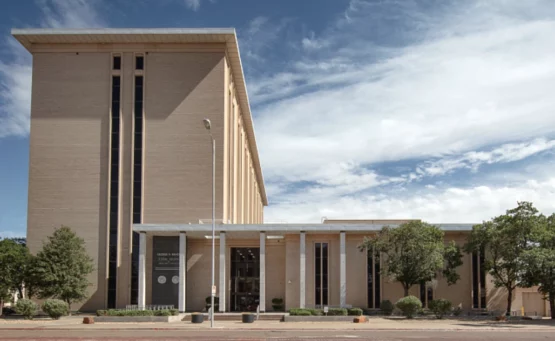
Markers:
212,293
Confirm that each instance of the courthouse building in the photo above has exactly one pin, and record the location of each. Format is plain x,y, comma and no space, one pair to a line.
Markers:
119,153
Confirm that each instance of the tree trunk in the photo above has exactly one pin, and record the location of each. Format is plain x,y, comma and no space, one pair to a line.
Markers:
68,307
406,288
509,302
2,307
20,292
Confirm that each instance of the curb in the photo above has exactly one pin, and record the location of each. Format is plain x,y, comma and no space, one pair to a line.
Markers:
282,329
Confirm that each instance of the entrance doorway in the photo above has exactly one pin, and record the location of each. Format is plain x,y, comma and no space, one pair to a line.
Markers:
245,279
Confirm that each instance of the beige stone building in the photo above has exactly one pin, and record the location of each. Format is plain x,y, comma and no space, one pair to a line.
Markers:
119,153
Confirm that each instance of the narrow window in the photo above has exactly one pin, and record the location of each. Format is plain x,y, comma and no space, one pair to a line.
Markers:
377,281
116,65
321,273
139,62
114,191
137,180
370,278
423,293
482,280
475,282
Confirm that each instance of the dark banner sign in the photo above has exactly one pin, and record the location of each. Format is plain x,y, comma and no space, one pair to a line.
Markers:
165,270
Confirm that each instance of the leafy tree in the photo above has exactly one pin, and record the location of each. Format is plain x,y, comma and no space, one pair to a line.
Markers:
15,260
62,266
539,261
505,239
415,252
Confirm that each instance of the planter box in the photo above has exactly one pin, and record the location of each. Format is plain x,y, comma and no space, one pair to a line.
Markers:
289,318
197,318
248,318
139,318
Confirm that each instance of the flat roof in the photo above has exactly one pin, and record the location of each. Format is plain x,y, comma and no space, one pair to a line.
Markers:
30,36
282,228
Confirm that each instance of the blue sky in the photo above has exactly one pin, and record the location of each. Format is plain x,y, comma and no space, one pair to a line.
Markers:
439,110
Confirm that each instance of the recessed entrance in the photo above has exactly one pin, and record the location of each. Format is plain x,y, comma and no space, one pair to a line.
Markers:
245,279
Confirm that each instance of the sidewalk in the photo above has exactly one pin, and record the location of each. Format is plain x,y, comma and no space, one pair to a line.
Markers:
75,323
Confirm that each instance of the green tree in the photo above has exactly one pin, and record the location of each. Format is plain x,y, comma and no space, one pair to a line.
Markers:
62,266
415,252
14,265
505,239
539,261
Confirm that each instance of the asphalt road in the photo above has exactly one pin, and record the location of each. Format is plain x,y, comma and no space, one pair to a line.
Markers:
46,335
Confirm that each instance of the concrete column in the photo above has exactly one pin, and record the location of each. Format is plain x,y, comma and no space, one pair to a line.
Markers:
182,271
222,273
142,270
342,270
302,274
262,271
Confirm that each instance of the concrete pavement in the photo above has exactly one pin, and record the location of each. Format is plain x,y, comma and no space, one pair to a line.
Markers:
283,335
374,323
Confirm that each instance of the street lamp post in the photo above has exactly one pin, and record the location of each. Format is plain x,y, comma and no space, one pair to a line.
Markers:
208,127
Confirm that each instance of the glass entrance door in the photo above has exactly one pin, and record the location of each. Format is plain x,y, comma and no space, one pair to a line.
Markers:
245,279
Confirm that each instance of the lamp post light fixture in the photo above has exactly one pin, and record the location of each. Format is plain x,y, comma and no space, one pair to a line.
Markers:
208,127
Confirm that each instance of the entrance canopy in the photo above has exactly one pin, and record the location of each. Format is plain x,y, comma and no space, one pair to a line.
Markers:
245,230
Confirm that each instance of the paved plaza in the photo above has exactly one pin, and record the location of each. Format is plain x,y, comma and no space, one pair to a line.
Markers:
383,329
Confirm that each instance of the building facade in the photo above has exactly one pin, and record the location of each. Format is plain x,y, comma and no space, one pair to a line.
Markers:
119,153
117,139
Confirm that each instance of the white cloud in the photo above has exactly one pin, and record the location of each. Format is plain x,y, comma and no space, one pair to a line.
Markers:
449,205
72,14
193,4
454,85
15,75
473,160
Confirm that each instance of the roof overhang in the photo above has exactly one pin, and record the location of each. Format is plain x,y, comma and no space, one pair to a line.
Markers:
28,37
282,228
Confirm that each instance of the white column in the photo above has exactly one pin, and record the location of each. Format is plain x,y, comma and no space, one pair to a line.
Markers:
302,274
222,298
342,271
142,270
262,272
182,290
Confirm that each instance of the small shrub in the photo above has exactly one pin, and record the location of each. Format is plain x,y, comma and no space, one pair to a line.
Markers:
440,307
457,311
409,305
162,313
354,312
337,312
101,313
174,312
277,304
299,312
387,307
26,307
55,308
316,312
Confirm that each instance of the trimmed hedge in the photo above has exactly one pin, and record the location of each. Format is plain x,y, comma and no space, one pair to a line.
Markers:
440,307
409,305
299,312
387,307
26,307
354,312
55,308
122,312
337,312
